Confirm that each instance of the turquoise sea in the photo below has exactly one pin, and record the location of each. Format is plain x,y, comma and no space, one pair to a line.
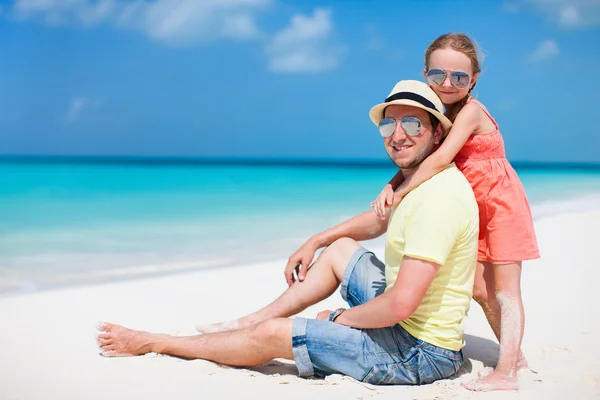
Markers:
79,221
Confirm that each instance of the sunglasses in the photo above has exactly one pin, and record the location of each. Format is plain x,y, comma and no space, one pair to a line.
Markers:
458,79
410,125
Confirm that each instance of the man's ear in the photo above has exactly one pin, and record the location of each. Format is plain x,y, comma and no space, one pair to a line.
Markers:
438,134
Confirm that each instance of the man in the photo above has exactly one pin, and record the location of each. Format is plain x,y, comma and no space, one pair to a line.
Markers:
407,316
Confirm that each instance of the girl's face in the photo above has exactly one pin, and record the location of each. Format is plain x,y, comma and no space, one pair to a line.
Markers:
451,61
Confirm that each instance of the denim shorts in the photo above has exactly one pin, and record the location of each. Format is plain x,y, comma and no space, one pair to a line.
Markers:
382,356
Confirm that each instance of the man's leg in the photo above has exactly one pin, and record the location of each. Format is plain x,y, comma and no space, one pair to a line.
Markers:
245,347
269,337
322,279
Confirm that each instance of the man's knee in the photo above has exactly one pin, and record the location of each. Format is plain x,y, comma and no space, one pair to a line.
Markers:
272,339
338,254
342,249
271,330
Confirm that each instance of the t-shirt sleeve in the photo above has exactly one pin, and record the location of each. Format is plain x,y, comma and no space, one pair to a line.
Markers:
432,229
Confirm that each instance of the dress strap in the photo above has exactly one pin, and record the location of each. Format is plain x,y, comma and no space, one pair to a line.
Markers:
484,110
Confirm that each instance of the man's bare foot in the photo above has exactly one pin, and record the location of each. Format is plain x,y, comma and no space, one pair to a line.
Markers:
493,381
118,341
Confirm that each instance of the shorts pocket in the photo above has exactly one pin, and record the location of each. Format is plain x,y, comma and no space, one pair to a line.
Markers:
433,367
401,373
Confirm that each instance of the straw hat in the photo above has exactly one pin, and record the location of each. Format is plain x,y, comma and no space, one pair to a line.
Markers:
413,93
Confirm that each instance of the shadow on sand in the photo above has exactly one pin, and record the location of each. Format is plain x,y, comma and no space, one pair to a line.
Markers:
476,348
479,349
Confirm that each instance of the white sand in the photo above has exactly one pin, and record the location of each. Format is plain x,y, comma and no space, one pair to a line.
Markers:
48,350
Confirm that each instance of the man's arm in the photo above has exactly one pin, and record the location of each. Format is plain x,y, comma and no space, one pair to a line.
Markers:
430,232
364,226
399,302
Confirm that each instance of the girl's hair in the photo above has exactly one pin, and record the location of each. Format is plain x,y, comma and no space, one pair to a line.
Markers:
461,43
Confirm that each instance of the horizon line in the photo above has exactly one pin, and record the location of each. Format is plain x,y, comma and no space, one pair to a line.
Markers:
248,161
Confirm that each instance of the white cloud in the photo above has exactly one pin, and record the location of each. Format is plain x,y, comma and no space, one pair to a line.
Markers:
175,22
78,104
569,16
545,51
306,45
568,13
240,26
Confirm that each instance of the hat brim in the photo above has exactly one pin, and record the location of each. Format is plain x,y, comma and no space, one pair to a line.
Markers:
376,113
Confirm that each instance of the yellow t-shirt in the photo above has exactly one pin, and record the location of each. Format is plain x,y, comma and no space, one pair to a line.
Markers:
439,222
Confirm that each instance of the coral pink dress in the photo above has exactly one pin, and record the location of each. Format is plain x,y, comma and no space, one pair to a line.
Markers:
506,232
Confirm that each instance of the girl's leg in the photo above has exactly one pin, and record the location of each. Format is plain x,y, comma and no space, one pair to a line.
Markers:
507,286
484,294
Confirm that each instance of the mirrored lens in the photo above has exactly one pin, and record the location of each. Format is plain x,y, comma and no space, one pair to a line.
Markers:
459,80
411,125
436,76
387,126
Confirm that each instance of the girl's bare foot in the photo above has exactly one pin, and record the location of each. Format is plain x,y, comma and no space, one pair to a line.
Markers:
485,371
493,381
521,364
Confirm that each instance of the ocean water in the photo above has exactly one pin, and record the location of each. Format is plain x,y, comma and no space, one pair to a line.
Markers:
73,223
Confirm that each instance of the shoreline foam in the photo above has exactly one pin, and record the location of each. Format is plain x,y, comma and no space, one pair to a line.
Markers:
61,281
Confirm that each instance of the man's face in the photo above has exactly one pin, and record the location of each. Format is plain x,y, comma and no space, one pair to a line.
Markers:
409,151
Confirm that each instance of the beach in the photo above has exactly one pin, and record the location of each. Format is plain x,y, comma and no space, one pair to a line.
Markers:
49,351
161,161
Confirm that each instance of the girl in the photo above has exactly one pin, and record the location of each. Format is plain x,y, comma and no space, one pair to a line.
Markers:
506,236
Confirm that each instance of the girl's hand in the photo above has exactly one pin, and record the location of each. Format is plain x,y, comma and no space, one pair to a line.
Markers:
383,201
397,199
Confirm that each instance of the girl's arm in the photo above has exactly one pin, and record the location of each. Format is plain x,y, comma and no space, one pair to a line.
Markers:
386,197
397,180
467,122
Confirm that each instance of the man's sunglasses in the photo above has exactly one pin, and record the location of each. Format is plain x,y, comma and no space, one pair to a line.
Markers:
458,79
410,125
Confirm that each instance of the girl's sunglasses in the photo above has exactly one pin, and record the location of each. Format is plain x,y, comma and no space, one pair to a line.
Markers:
458,79
410,125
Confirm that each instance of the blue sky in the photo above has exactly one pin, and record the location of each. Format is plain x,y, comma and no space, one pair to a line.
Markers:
269,78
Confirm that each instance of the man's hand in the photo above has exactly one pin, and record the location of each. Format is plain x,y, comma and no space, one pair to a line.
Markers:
299,262
324,315
365,226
